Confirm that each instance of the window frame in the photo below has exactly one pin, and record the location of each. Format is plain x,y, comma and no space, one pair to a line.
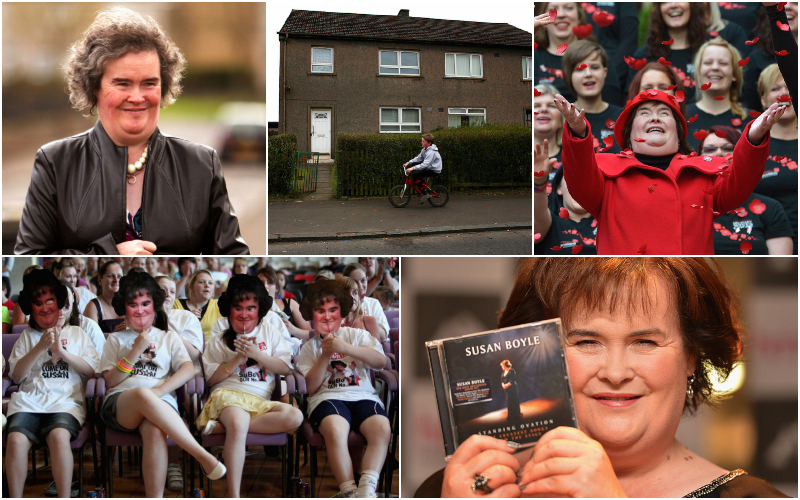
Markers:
399,66
399,123
527,62
333,68
455,64
466,113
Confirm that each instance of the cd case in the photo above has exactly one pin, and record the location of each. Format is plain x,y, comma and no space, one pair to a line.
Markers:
510,384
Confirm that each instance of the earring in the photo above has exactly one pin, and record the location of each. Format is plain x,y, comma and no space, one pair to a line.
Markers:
689,388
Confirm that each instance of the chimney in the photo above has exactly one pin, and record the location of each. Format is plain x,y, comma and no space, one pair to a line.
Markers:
403,13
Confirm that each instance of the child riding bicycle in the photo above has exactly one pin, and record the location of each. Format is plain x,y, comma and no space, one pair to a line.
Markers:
428,164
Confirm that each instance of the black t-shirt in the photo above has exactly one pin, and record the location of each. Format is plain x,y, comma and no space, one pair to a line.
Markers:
567,234
681,63
556,167
619,39
706,120
759,60
779,180
603,126
730,230
745,14
735,35
547,69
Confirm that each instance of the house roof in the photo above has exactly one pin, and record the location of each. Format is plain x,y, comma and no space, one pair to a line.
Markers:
405,28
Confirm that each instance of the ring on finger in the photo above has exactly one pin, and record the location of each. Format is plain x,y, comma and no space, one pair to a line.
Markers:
481,482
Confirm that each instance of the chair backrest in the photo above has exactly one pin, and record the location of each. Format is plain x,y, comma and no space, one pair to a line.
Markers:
19,328
9,340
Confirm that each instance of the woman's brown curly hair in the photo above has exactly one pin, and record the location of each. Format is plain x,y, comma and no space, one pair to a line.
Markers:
114,33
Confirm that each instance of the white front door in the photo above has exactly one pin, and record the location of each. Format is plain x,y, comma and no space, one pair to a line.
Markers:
321,131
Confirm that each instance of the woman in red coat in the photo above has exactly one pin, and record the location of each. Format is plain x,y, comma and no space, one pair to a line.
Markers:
657,196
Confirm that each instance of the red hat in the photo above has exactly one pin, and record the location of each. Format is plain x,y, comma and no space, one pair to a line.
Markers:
647,95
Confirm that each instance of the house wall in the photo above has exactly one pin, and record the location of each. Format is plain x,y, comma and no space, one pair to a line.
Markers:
356,91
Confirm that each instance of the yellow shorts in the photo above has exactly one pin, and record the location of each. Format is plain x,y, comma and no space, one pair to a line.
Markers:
222,398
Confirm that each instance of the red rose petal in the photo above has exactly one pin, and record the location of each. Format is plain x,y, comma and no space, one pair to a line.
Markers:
712,190
745,247
602,18
668,42
636,64
695,206
561,48
781,26
736,122
757,207
751,42
694,153
642,249
713,34
670,87
536,92
664,61
539,174
535,113
779,158
581,66
582,31
780,5
705,86
536,236
556,249
679,96
783,52
754,114
577,249
720,134
589,8
535,45
700,135
553,14
719,98
690,120
639,139
608,140
603,150
610,124
744,61
563,213
784,98
651,188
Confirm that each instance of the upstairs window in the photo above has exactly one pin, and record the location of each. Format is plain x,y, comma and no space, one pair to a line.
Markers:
398,62
395,120
526,68
463,65
322,60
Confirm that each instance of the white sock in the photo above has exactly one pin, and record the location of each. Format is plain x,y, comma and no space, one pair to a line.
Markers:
348,488
368,483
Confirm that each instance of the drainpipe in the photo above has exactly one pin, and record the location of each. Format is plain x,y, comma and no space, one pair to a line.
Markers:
283,89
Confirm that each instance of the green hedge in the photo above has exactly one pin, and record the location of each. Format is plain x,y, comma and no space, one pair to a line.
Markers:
280,166
369,164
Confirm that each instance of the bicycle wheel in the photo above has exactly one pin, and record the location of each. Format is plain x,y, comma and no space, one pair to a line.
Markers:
400,195
444,196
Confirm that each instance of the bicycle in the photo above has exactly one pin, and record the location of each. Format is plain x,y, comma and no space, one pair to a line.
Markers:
400,195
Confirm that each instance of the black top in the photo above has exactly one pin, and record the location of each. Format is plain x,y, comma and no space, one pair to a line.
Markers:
681,63
755,227
736,36
602,125
745,14
758,61
564,236
784,40
661,161
706,120
619,39
779,179
547,69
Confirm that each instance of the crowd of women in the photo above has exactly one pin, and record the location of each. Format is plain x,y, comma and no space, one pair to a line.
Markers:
699,156
240,328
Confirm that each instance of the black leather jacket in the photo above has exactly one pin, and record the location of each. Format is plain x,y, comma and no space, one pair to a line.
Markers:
76,200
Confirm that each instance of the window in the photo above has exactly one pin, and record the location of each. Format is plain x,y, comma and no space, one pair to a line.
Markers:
526,68
395,120
466,117
397,62
463,65
321,60
529,118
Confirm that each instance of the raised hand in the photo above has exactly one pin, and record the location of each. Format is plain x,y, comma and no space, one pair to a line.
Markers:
764,122
47,340
142,342
542,163
574,119
55,347
542,20
332,344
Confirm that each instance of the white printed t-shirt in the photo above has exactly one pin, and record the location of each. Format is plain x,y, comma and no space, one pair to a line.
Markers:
84,297
372,307
187,326
346,378
163,358
275,321
49,387
253,379
92,329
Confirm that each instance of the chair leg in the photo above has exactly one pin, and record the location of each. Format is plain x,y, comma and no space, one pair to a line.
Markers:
119,456
313,470
285,465
111,474
80,472
185,478
93,444
33,462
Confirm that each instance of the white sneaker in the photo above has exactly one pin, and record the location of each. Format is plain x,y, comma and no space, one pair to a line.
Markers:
174,477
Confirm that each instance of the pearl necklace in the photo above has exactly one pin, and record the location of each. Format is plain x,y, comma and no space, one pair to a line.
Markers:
135,168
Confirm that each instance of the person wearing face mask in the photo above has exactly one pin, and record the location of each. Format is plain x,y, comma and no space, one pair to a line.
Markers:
760,220
243,359
336,364
549,36
50,362
371,306
717,70
658,198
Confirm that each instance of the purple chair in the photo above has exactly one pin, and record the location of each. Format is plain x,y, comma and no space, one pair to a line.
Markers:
394,340
282,440
393,317
19,328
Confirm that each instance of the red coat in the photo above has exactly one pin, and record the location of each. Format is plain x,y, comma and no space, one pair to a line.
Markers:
644,210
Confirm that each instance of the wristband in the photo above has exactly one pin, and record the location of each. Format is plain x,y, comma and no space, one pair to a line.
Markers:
123,368
225,367
126,360
542,189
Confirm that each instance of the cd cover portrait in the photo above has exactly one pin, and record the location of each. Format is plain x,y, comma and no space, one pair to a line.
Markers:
510,384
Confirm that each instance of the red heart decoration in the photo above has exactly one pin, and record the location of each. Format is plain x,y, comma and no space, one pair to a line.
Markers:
670,87
582,31
784,98
636,64
700,135
639,139
664,61
751,42
556,249
713,34
563,213
690,120
736,122
535,45
539,174
603,150
589,8
642,249
694,153
651,188
668,42
720,134
783,52
719,98
705,86
577,249
608,141
610,126
536,92
535,113
780,5
744,61
755,114
679,96
781,26
745,247
602,18
757,207
553,14
561,48
581,66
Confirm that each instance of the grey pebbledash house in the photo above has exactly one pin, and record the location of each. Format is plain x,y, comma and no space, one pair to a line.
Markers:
360,73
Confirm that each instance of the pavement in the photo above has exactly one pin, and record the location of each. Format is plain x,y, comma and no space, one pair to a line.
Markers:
295,221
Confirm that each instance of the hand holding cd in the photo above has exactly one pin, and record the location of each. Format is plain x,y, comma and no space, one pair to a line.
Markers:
482,466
